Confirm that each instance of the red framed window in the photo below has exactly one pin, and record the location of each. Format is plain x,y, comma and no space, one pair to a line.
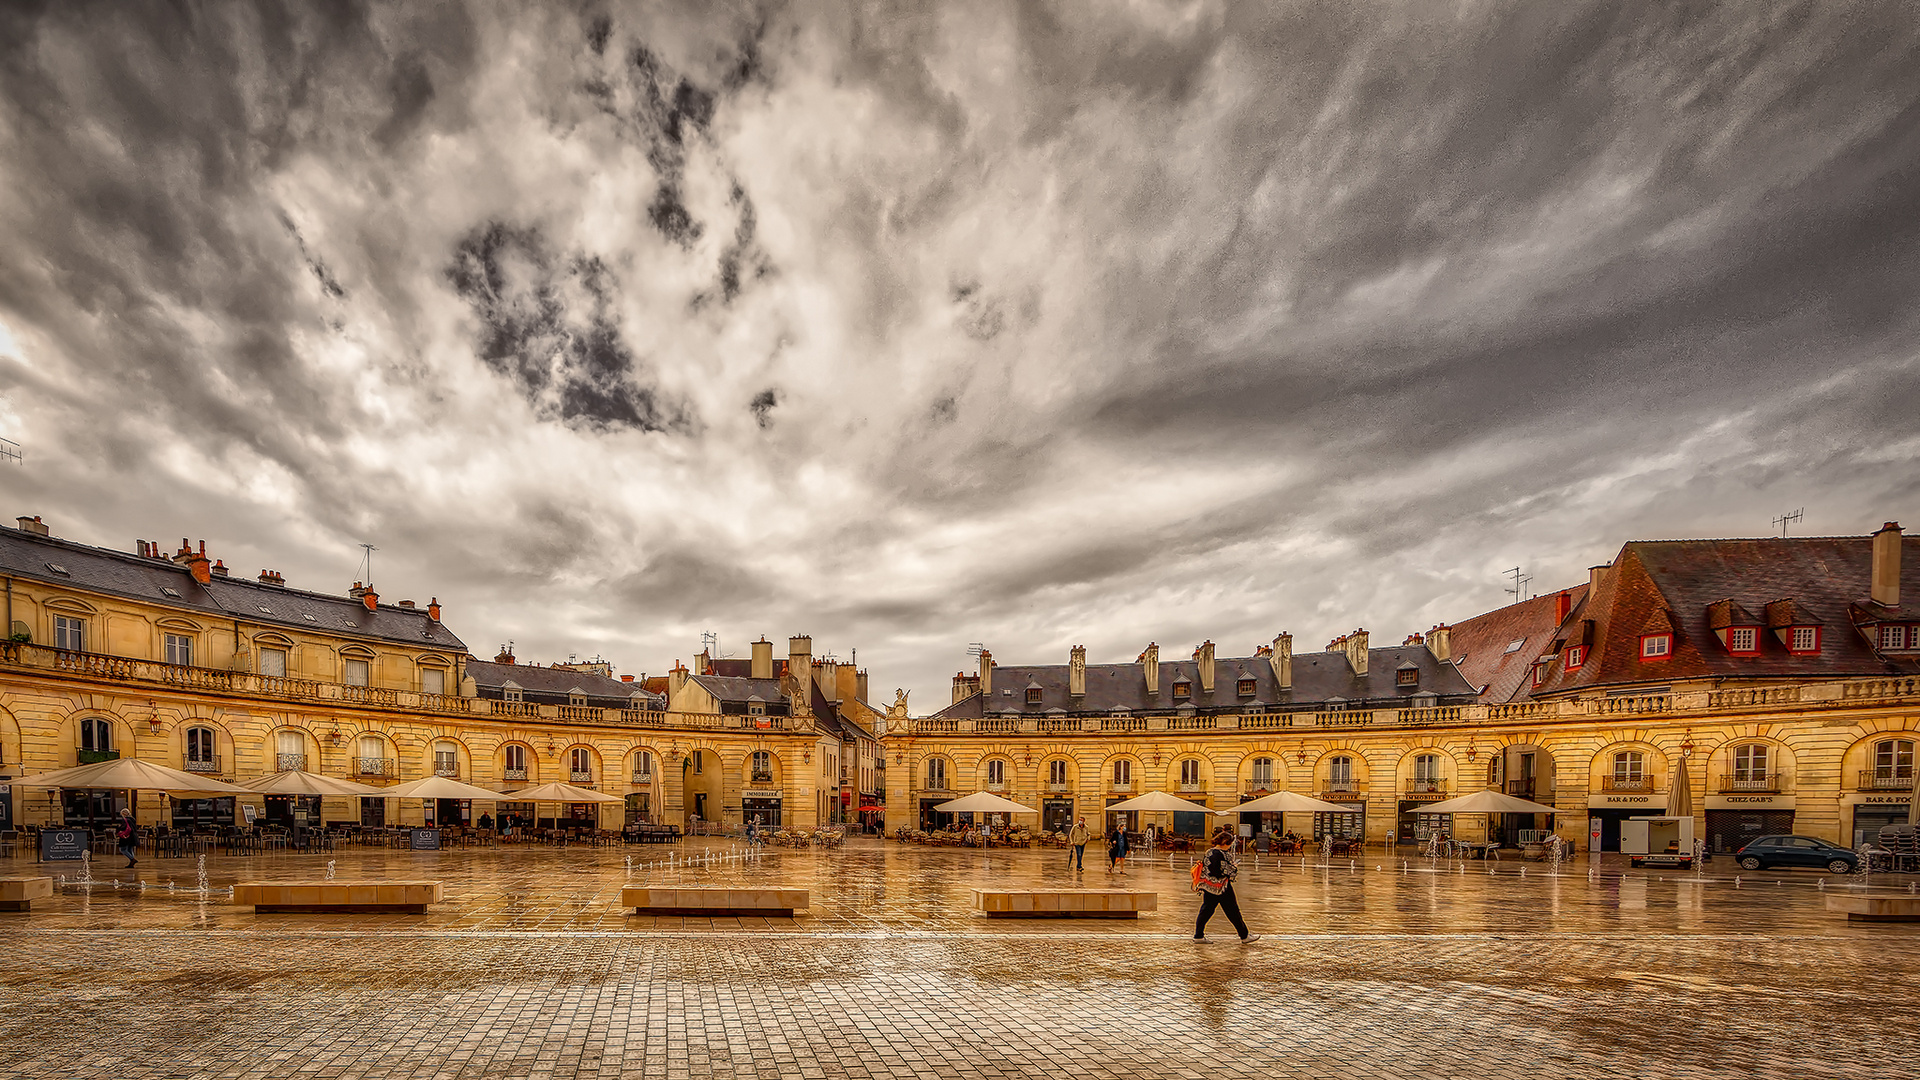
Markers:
1656,646
1576,657
1743,640
1539,673
1803,640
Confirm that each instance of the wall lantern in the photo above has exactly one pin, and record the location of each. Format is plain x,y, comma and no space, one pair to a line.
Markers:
334,737
1303,755
153,724
1686,744
1472,754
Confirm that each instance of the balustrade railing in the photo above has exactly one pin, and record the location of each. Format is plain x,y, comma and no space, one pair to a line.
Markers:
1897,779
378,767
998,725
1751,782
514,776
1193,723
1123,723
209,766
288,762
1633,704
580,776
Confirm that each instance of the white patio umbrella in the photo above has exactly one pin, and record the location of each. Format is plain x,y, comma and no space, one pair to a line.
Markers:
1285,802
1487,801
439,787
983,802
134,774
1160,802
301,782
559,792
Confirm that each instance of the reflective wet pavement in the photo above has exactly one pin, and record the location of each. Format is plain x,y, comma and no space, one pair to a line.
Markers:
530,969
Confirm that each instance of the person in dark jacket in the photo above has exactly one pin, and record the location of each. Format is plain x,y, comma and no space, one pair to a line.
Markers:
1218,869
1117,850
128,835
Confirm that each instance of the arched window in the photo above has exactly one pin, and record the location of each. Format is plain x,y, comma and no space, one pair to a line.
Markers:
1122,775
372,759
1426,767
516,762
762,765
643,767
1340,773
996,773
1893,760
1262,773
936,774
446,759
581,765
1190,774
200,754
1629,767
96,735
1057,775
290,751
1750,764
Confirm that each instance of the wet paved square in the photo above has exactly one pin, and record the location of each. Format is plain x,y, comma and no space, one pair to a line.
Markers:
530,968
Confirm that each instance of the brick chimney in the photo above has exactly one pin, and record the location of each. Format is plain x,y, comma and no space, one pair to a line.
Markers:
860,684
800,670
702,663
1440,642
965,685
1562,606
1282,660
433,609
273,578
219,568
763,658
181,556
1077,671
39,528
505,655
199,565
1886,565
1203,659
1150,667
407,604
365,594
676,680
1355,645
626,678
1595,575
986,672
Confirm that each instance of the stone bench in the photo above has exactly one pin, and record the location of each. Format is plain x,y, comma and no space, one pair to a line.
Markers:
1064,903
384,895
676,900
19,893
1876,908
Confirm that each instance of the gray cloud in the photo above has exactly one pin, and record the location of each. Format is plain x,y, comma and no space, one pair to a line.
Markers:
1061,323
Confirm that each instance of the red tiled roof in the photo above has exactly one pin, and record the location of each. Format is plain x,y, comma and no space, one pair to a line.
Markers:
1479,645
1692,584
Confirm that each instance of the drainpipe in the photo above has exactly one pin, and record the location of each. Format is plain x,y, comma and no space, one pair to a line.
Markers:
9,632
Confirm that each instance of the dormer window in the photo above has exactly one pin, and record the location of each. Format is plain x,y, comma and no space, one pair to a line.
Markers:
1540,673
1897,637
1804,641
576,699
1576,657
1656,646
510,693
1033,695
1182,689
1407,676
1245,687
1743,640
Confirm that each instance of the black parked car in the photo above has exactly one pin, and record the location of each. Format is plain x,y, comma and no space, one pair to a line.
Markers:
1771,851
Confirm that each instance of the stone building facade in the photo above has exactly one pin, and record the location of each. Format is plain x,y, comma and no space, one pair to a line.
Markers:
171,658
1782,675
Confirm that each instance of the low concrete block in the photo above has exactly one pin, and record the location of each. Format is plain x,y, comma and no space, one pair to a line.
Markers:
19,893
1064,903
283,896
1876,908
652,900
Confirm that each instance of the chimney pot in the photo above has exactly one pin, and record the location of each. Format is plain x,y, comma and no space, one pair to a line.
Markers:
626,678
371,599
433,609
1885,587
408,604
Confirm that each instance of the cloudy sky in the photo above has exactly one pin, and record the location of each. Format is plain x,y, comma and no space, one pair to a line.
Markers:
915,325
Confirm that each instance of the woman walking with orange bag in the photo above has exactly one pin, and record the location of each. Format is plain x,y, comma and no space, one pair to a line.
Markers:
1213,875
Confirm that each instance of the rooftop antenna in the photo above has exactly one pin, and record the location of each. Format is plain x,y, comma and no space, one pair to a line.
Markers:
710,643
1520,581
975,648
1785,520
10,451
366,564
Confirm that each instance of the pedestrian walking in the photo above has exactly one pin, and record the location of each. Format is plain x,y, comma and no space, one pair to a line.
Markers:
1077,840
1213,876
1117,850
128,835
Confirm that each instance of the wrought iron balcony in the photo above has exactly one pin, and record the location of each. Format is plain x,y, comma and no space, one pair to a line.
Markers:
1062,788
516,776
762,777
580,776
1522,789
1751,782
384,768
449,769
643,778
1615,784
1895,779
1259,783
1191,786
210,766
285,762
1420,788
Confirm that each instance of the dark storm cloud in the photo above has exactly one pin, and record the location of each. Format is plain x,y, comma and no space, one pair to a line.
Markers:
1049,323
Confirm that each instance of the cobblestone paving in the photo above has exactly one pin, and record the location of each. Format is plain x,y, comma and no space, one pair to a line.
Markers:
529,970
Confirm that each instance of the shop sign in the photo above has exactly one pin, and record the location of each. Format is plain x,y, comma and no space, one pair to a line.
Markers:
60,844
1749,802
760,794
1627,802
1893,800
425,840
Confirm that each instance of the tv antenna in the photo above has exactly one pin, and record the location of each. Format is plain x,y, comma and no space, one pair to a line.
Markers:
10,451
975,648
1520,582
710,643
366,564
1785,520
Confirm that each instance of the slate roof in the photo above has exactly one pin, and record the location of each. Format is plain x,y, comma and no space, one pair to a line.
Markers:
124,574
1479,645
1319,679
1655,584
727,688
553,685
